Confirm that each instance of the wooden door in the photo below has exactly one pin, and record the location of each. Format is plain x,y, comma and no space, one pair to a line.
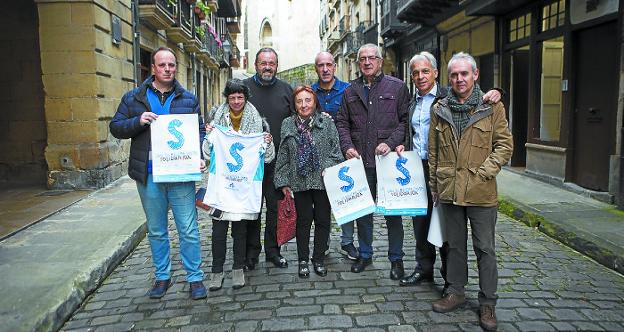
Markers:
595,104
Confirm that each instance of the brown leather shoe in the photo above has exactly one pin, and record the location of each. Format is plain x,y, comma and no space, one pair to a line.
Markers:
448,303
487,317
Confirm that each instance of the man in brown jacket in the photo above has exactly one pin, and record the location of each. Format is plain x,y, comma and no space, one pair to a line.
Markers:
469,142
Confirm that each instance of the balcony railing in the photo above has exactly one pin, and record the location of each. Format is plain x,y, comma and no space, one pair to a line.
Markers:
210,44
343,26
195,44
352,43
428,12
158,13
185,14
391,26
181,31
227,51
371,35
233,24
235,57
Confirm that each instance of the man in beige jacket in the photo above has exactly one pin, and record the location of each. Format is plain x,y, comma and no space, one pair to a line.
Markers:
469,142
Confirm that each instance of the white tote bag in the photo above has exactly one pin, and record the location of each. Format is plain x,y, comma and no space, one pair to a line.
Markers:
401,189
348,191
436,230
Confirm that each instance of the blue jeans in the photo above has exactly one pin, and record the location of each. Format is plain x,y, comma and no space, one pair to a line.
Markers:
347,233
156,199
365,228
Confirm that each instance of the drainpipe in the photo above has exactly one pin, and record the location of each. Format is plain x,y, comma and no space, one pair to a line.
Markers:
136,43
619,198
194,75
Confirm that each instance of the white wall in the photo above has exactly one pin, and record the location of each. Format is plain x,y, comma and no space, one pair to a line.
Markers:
295,25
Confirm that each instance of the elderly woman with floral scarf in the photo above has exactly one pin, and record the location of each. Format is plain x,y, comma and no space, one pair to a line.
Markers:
241,116
309,144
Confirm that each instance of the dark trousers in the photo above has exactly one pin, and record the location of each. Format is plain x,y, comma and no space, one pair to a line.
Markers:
219,243
425,252
312,205
483,225
365,228
270,195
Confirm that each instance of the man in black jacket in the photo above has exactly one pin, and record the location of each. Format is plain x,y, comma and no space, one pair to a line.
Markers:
273,99
158,95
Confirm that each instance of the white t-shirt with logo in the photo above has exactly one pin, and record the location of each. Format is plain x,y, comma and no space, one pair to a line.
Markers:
235,173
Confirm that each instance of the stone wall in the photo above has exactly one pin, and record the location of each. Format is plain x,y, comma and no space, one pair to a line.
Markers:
84,76
22,118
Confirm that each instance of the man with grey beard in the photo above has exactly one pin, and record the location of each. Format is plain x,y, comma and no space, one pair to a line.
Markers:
273,99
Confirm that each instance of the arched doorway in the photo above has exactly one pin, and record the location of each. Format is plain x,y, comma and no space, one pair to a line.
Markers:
266,35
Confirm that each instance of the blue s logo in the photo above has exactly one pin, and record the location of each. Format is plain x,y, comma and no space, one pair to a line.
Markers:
176,145
399,165
239,160
344,177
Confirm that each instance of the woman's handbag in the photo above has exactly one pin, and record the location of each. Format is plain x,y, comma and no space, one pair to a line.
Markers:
286,219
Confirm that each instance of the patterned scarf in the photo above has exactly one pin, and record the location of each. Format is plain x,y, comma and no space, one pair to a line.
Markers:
462,112
308,159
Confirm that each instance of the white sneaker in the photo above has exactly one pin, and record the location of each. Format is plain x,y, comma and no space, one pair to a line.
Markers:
216,281
238,278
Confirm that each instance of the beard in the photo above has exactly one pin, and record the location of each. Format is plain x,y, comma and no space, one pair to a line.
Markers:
267,76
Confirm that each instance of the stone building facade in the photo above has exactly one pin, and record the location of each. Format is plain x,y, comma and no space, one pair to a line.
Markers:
344,27
560,63
69,63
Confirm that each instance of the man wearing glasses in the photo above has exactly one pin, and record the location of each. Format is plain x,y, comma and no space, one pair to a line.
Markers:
372,121
272,98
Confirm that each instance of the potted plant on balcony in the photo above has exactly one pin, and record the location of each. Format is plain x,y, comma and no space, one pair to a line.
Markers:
201,31
201,9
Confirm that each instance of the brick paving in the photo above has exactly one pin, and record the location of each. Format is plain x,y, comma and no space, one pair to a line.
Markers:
543,286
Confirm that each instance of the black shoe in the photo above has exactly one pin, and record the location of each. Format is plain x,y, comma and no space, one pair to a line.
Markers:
396,271
250,264
350,251
361,264
415,279
278,261
319,269
304,270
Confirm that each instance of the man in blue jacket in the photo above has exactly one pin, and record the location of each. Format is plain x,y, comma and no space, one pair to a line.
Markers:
329,90
158,95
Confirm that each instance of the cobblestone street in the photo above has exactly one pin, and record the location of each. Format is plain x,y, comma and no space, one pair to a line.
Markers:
543,286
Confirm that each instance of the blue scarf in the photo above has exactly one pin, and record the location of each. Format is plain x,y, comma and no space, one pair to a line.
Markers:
159,109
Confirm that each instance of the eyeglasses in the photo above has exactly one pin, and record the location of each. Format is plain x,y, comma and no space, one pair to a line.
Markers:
370,58
265,64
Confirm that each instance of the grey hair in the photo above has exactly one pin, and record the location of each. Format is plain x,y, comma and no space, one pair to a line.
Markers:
324,52
424,56
465,57
377,49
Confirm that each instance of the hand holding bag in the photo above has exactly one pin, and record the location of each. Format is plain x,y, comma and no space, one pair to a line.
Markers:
286,219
